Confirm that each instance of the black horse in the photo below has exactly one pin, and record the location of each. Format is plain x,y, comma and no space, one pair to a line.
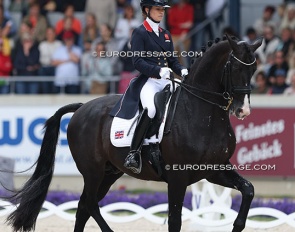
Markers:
218,85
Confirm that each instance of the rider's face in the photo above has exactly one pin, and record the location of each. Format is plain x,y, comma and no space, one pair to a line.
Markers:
157,13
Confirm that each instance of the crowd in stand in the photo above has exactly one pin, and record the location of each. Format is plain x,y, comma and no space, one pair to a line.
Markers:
69,49
275,58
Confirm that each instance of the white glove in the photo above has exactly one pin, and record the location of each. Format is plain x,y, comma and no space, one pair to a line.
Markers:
165,73
184,72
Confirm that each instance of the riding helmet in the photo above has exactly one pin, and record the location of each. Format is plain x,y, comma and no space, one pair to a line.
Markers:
163,3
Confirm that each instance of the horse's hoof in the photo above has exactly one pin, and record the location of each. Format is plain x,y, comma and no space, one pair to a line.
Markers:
239,225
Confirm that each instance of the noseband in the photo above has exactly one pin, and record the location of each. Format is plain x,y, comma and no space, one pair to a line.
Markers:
230,89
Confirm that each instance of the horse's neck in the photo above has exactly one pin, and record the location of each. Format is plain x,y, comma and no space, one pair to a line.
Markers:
208,71
207,75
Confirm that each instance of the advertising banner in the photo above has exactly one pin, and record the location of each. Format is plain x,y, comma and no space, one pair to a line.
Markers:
266,142
21,134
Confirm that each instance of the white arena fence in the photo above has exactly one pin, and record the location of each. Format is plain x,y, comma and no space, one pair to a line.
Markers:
205,215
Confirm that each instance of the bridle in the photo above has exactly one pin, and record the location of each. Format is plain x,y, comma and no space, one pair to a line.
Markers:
229,88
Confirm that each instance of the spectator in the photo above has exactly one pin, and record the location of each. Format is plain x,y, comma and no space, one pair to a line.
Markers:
25,27
128,69
260,86
280,63
26,63
84,64
6,24
180,20
266,20
68,22
68,15
105,11
270,61
287,43
66,60
269,44
121,7
5,44
290,91
250,36
38,22
111,44
279,85
125,24
5,69
98,70
47,49
91,30
289,17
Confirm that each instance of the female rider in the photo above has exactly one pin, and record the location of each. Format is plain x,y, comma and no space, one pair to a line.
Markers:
153,57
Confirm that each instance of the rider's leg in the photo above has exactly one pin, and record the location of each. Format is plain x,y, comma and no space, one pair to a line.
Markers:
147,94
132,160
147,100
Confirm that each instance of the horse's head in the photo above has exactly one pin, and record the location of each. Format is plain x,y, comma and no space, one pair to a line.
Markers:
239,69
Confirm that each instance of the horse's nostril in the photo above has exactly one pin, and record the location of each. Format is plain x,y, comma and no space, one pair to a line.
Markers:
240,110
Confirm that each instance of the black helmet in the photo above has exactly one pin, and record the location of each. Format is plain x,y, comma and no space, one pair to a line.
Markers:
163,3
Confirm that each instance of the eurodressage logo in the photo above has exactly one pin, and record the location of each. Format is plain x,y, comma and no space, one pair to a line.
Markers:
148,54
220,167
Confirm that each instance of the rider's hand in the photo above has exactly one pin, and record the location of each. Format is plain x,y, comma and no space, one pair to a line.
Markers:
165,73
184,72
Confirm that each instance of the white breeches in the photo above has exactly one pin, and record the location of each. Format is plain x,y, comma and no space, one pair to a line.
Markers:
148,91
147,95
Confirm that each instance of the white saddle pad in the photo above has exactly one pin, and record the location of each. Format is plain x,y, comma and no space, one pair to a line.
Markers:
122,130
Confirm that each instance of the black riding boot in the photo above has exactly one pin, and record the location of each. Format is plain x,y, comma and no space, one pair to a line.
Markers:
133,160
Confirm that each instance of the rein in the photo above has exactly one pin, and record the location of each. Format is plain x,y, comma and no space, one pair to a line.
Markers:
229,87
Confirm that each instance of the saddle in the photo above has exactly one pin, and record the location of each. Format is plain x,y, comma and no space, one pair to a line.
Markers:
161,99
122,129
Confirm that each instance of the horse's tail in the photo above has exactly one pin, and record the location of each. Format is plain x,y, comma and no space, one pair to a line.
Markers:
32,196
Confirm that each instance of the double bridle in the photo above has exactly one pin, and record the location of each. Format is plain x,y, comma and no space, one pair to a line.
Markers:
230,89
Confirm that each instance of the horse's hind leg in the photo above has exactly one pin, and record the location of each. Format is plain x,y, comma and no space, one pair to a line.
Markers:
231,179
83,213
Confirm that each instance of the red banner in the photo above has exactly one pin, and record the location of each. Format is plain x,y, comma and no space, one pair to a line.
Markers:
265,142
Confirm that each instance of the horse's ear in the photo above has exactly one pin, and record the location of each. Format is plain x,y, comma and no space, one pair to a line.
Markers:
256,44
232,43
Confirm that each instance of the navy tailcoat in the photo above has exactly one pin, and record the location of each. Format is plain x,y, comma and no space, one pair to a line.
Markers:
150,53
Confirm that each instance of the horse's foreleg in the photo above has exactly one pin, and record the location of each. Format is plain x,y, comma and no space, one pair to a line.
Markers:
176,192
231,179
